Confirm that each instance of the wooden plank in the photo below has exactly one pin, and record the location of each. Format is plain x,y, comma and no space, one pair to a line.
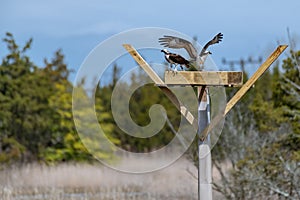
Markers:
201,78
156,79
242,91
254,77
143,64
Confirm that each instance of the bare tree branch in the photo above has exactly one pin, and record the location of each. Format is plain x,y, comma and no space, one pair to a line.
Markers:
292,83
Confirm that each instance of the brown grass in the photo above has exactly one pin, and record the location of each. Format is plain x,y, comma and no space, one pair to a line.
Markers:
83,181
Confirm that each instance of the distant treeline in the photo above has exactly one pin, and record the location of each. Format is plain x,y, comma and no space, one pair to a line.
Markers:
36,120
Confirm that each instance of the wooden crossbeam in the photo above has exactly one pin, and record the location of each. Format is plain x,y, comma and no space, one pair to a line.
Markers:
204,78
156,79
242,91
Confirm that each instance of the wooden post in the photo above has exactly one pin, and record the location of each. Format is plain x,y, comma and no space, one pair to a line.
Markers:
204,155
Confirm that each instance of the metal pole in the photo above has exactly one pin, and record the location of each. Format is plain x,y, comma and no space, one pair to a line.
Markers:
204,155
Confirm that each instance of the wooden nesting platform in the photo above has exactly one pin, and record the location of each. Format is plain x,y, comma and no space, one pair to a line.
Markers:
204,78
221,78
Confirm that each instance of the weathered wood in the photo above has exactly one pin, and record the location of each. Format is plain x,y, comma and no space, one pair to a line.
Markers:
254,77
202,95
242,91
143,64
207,78
156,79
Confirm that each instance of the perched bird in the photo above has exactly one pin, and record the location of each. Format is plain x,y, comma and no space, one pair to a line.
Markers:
175,59
178,43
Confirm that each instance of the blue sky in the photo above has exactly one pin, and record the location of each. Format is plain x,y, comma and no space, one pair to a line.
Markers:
250,28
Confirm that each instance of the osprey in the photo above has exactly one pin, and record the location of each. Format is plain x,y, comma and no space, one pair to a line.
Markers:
175,59
178,43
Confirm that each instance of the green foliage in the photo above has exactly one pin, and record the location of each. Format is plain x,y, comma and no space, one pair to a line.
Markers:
268,116
290,91
90,133
140,103
65,143
36,120
11,150
24,110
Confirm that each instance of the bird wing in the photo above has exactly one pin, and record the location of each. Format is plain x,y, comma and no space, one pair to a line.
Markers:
178,59
218,38
178,43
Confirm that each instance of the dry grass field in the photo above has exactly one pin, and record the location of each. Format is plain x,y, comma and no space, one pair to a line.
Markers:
91,182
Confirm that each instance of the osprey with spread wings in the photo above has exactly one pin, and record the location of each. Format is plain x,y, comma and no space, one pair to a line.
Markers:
178,43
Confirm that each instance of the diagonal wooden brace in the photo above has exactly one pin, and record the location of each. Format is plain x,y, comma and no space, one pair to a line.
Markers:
156,79
242,91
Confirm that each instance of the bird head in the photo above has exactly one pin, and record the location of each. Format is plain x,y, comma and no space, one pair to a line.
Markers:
204,56
165,51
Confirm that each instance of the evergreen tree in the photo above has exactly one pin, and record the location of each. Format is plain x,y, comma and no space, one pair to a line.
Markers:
36,119
24,101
